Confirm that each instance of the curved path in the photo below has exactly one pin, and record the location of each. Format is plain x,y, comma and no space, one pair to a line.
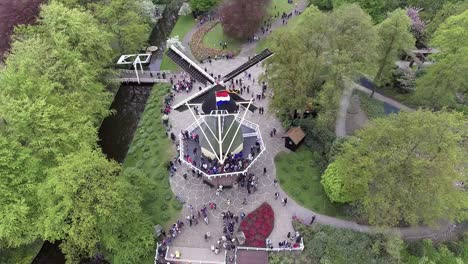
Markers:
198,194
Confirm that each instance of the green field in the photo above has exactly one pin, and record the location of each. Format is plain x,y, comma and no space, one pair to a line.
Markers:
299,177
183,25
215,35
371,106
150,153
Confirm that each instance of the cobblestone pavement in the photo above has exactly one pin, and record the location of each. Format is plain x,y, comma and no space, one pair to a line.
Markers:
197,194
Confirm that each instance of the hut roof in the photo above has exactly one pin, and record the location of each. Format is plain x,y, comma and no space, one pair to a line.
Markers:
252,257
296,134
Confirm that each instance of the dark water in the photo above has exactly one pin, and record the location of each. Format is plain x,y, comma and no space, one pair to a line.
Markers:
116,131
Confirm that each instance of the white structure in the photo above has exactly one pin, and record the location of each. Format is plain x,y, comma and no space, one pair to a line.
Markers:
135,60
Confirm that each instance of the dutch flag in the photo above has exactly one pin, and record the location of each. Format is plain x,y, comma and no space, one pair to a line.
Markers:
222,97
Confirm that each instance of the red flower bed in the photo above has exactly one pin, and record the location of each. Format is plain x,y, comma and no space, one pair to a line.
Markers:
258,225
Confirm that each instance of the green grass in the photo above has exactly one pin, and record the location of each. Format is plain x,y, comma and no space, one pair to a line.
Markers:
216,34
20,255
299,177
183,25
150,152
372,107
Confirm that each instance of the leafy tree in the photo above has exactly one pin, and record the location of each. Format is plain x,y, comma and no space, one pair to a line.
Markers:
338,44
148,10
375,8
185,9
394,36
444,83
202,5
402,168
418,26
241,18
123,20
448,9
333,184
80,197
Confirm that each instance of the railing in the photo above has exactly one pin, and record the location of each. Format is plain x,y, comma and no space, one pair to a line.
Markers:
176,260
210,176
153,72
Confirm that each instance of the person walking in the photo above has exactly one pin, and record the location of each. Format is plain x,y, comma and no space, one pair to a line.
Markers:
285,201
274,131
264,170
276,195
312,220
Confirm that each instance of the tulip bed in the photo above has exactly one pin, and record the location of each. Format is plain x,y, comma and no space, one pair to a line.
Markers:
258,225
202,52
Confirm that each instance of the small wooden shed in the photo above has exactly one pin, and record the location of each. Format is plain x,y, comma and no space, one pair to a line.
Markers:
293,138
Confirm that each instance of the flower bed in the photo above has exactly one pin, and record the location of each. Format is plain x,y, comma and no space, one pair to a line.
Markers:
200,51
258,225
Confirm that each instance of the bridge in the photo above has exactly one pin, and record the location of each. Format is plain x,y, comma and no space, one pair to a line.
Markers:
145,77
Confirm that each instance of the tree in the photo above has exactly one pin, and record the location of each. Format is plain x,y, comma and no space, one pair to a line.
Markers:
79,198
402,168
242,18
123,20
375,8
202,5
448,9
418,26
185,9
148,10
394,36
445,82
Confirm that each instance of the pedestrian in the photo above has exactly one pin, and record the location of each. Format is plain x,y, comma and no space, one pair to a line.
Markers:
289,235
173,137
185,176
275,182
274,131
228,202
271,133
264,170
276,195
312,220
285,201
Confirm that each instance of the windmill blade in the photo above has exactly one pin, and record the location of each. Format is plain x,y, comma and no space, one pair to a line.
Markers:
265,54
189,66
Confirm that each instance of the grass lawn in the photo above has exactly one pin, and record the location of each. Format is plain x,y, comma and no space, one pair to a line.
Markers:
299,177
372,107
216,34
183,25
150,152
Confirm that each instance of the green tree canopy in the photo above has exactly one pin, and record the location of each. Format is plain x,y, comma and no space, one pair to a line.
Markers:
445,83
124,20
403,168
394,37
202,5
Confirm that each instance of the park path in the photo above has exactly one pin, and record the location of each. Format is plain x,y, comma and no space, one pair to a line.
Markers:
340,126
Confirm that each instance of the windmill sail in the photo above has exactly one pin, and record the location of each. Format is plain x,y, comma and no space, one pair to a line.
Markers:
265,54
189,66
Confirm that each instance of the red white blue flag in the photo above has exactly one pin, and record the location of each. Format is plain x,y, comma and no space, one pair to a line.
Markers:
222,97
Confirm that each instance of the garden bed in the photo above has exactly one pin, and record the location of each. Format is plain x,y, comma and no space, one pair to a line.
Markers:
258,225
200,51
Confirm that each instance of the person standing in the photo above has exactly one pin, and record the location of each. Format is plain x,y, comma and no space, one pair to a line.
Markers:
276,195
312,220
264,170
274,131
285,201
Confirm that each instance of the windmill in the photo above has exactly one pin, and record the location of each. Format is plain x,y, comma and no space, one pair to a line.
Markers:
224,144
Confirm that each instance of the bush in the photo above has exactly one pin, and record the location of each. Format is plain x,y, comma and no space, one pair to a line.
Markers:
164,206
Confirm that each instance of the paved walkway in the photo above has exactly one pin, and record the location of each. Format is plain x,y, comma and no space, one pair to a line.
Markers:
340,126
